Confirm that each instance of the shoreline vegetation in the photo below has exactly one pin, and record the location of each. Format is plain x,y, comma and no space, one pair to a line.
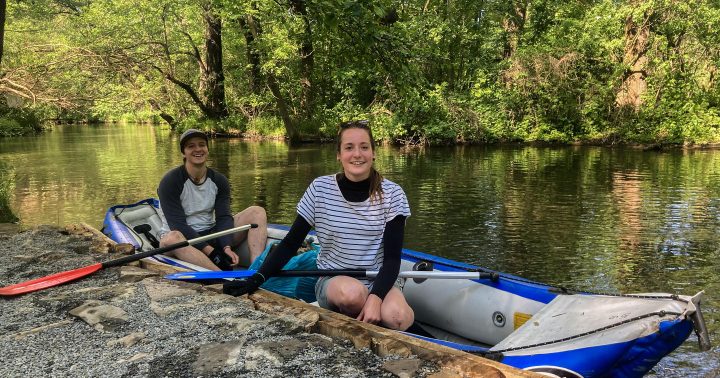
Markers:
424,73
253,135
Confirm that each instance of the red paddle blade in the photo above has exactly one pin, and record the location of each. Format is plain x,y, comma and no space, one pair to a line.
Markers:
50,281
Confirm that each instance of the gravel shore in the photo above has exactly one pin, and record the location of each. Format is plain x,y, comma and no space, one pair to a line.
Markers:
128,322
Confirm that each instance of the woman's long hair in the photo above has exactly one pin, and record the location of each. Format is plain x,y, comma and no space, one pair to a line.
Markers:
375,176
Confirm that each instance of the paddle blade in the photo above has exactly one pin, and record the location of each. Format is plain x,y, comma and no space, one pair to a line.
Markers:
204,276
49,281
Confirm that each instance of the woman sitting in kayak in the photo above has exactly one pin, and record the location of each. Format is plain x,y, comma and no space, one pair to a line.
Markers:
359,218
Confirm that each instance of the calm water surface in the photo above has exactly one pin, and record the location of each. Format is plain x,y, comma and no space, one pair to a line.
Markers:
609,219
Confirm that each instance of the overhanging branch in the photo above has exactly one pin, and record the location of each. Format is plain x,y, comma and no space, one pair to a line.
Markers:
186,87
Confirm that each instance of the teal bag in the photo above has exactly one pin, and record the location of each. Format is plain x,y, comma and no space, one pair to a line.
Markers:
294,287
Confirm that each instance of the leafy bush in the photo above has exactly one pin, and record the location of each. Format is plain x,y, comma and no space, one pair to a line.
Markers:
265,126
18,121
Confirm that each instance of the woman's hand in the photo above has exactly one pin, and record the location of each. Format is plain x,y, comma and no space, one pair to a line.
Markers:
370,312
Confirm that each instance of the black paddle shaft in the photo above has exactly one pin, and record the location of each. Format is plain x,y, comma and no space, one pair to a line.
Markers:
142,255
185,243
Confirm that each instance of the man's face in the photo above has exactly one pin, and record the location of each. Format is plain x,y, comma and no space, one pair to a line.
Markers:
196,150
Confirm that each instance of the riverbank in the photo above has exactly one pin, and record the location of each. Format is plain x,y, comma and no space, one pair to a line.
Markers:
252,136
128,321
258,134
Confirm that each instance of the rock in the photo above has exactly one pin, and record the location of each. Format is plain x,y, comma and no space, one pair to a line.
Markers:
403,368
134,274
244,325
128,340
138,356
123,248
102,316
174,299
113,293
262,354
284,350
214,357
25,258
22,334
160,290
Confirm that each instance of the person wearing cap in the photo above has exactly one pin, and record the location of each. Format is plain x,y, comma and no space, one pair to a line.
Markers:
195,201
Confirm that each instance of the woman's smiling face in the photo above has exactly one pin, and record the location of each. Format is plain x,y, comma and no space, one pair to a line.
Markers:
356,154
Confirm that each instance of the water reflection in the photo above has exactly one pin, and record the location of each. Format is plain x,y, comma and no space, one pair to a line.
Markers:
609,219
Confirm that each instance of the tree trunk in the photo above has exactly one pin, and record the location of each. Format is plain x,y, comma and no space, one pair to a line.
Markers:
3,10
252,54
154,105
307,61
214,78
291,130
513,24
634,83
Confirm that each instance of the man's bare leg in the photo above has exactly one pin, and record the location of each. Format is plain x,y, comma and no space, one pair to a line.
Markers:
189,254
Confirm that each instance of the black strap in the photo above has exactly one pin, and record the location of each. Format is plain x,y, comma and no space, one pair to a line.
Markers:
145,230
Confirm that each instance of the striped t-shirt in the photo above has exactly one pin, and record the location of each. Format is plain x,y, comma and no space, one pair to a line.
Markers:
350,233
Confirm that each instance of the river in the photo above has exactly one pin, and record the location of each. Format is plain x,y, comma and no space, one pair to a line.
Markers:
595,218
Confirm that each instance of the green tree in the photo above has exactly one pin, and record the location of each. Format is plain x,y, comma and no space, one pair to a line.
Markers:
463,71
3,12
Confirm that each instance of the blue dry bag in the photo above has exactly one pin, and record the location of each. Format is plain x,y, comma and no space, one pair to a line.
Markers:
294,287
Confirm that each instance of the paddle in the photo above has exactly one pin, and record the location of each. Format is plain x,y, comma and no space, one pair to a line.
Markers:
71,275
200,276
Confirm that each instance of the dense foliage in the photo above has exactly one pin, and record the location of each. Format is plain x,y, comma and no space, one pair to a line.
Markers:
595,71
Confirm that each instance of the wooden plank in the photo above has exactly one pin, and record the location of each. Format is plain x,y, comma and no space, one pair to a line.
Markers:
100,242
